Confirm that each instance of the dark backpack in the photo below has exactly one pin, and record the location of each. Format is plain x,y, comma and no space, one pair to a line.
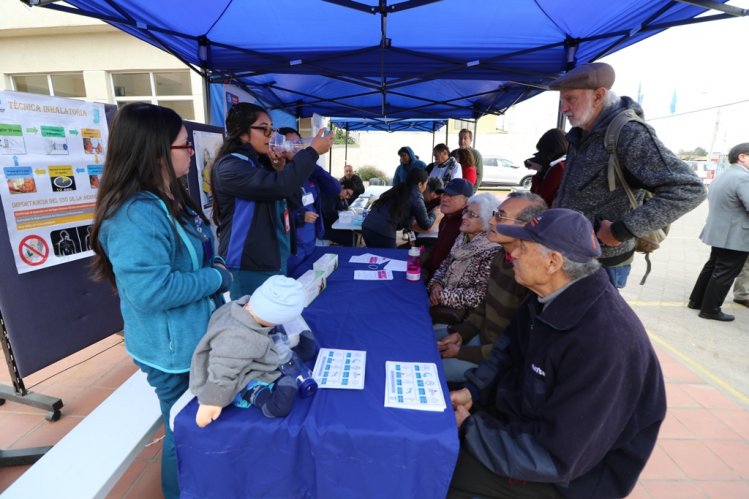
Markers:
650,242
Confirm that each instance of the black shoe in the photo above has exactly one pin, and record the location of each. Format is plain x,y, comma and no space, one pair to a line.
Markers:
720,316
742,302
693,305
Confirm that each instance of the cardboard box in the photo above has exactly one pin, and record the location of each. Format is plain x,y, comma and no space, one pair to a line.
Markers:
326,263
313,282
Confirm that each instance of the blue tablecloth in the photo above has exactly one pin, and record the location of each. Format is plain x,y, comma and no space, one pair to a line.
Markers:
339,443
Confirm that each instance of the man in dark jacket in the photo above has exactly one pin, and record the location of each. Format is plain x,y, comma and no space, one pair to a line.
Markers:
348,174
589,104
573,390
454,200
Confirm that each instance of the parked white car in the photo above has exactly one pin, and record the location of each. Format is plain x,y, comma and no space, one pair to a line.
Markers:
501,171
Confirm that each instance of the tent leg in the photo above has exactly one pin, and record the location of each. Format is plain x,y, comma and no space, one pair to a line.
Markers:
345,149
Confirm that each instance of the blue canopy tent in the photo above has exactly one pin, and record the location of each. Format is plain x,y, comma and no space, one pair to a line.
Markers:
388,124
435,59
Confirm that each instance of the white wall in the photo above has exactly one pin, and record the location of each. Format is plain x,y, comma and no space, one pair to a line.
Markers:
37,40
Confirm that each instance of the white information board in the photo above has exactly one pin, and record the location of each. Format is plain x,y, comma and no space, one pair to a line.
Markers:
51,159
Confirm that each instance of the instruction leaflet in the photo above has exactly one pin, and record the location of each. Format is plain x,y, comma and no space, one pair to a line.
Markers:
413,385
340,368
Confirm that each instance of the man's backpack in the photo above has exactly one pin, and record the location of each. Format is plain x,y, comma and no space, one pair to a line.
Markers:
651,241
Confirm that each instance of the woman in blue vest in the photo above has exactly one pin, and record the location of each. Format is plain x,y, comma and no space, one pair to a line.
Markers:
252,201
153,244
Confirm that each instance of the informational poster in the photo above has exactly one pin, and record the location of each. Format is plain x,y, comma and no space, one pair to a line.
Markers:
51,159
207,145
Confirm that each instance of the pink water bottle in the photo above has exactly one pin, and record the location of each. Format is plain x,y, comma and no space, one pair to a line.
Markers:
413,264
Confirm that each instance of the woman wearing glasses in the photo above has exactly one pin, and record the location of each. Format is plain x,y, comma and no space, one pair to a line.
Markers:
395,209
461,280
252,201
152,243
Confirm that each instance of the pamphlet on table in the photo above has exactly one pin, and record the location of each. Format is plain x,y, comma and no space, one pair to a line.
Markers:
373,275
340,368
413,385
389,264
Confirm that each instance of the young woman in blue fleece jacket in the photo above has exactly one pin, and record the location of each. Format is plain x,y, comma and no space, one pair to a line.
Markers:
153,244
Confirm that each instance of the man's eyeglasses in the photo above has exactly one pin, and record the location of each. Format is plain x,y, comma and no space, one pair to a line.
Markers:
497,214
186,145
267,130
468,213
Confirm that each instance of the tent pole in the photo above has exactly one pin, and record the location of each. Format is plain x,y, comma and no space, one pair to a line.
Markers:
447,131
345,149
475,126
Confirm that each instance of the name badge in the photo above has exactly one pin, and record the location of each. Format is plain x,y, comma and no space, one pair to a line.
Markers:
308,199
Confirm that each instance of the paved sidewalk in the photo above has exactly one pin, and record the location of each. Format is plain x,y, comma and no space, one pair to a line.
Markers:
702,450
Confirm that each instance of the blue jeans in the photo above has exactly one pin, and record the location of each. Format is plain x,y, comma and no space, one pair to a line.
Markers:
455,369
618,275
169,387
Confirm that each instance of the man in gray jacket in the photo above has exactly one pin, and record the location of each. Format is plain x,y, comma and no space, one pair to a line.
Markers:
727,231
589,105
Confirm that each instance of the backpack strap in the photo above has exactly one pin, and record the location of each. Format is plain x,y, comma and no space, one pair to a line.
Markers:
611,141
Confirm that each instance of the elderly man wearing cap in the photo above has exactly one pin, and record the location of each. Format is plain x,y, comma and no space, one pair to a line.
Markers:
574,392
590,106
454,199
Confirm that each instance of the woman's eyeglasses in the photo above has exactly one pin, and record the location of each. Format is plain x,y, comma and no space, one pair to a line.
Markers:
468,213
186,145
498,216
267,130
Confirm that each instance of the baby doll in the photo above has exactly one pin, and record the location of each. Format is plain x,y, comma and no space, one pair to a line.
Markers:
237,355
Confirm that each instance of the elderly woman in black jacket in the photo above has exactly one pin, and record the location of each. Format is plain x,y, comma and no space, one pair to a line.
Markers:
395,209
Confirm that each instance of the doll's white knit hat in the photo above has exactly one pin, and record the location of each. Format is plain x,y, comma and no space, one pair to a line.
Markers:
278,300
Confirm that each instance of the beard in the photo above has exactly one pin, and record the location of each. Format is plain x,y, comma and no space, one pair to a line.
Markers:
582,117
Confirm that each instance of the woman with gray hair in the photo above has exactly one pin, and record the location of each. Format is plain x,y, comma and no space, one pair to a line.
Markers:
461,280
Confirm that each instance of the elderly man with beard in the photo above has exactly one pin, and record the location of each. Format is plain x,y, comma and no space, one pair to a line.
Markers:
571,400
590,106
471,341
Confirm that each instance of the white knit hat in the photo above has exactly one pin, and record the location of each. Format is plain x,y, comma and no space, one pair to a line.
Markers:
279,299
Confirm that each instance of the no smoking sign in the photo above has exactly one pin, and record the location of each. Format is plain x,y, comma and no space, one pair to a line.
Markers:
33,250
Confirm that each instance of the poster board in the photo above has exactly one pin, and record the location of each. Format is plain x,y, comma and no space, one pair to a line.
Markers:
58,310
51,159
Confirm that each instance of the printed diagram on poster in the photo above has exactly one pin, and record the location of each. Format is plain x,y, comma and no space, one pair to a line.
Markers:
207,145
51,160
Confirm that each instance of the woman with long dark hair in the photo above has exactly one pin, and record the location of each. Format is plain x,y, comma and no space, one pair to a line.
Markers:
153,244
253,201
395,209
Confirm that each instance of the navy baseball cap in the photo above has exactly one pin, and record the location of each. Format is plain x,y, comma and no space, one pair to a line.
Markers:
456,187
559,229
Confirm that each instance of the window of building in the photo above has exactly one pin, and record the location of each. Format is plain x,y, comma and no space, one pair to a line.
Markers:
458,125
59,85
170,89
